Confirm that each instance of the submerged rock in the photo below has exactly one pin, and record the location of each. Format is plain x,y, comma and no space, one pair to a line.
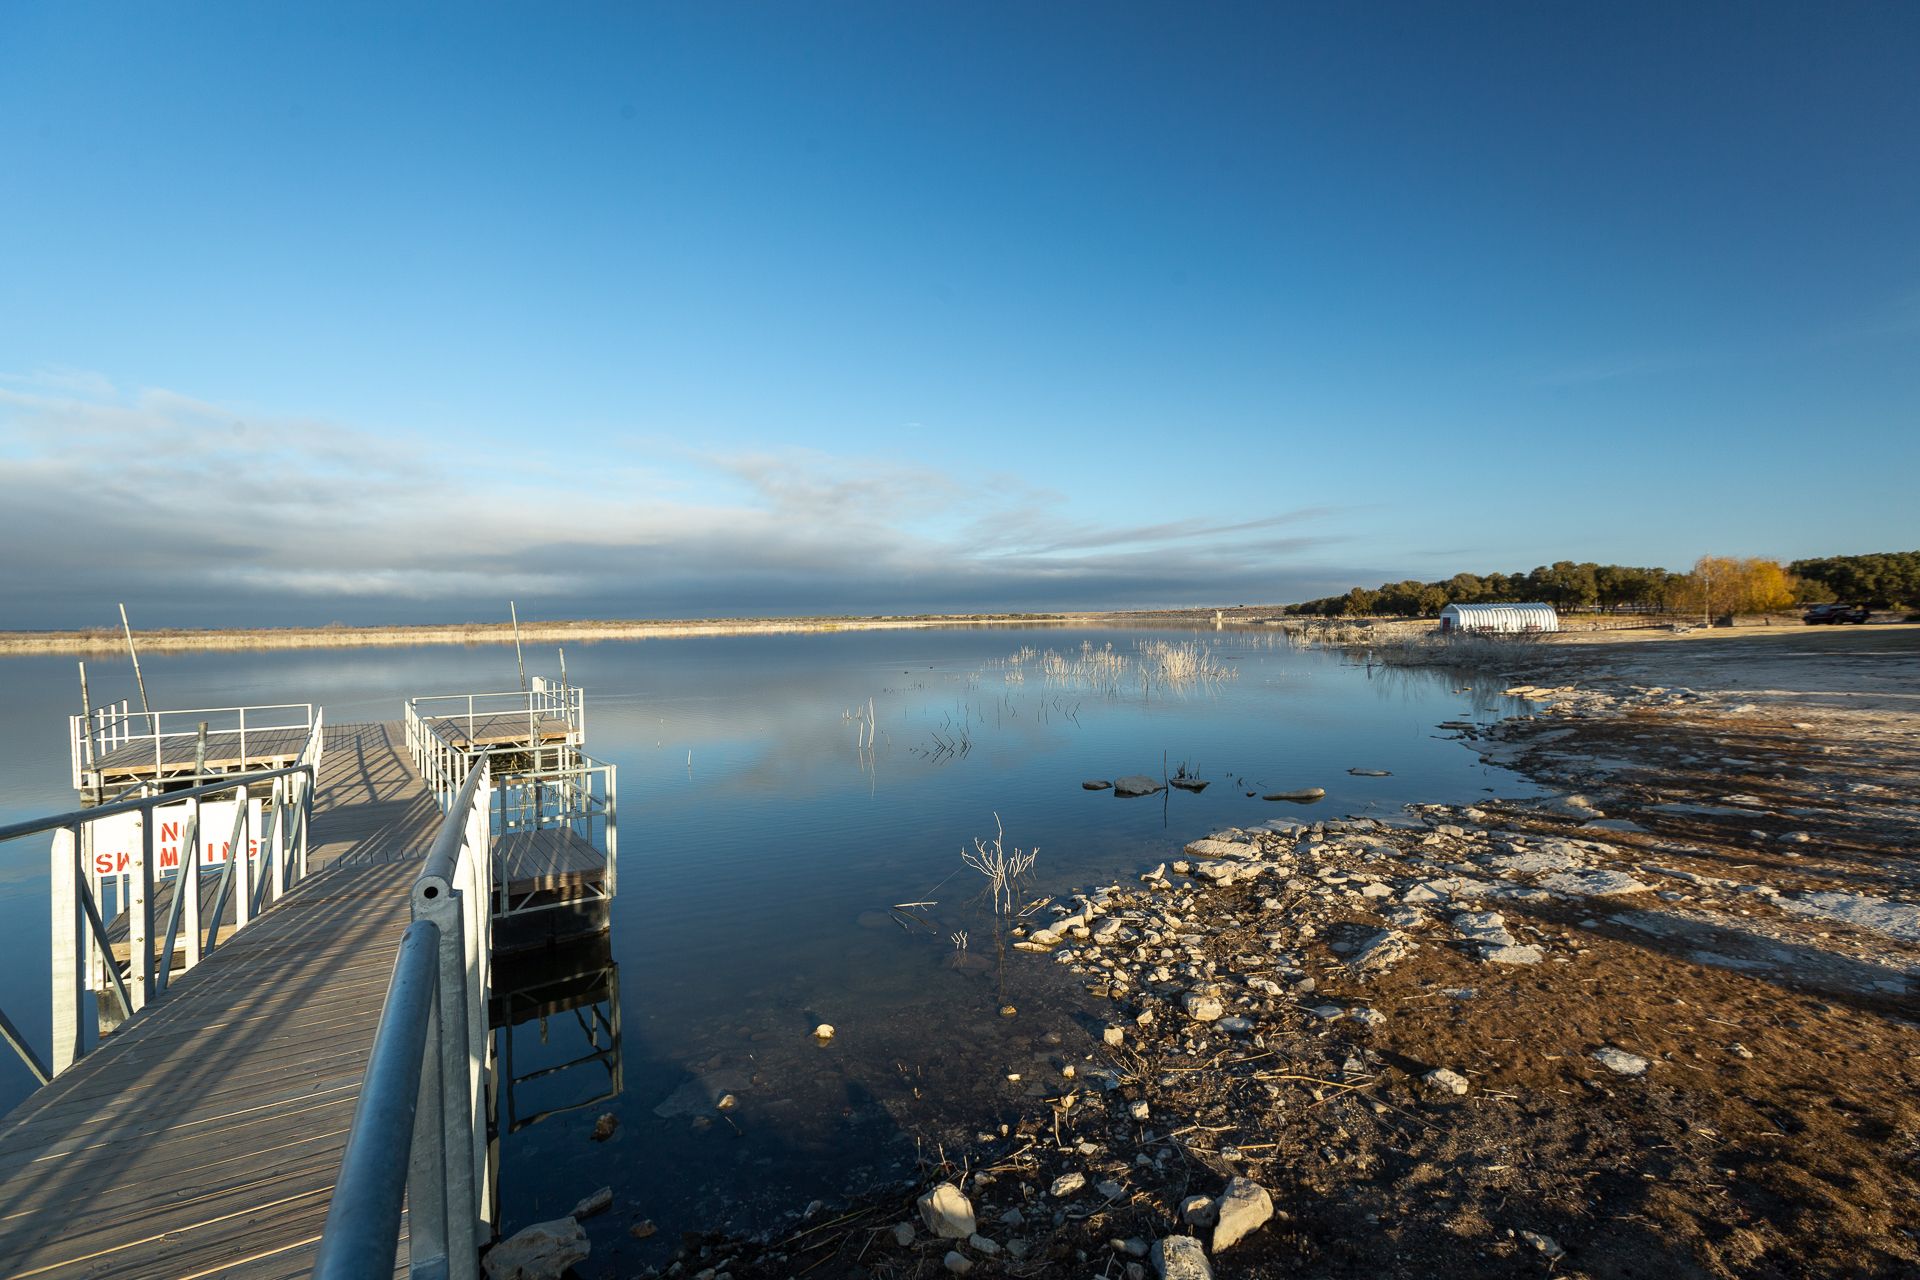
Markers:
1189,784
1305,795
599,1202
1137,784
542,1251
1096,784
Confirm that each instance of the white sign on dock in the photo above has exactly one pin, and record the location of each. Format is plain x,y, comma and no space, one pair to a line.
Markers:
117,839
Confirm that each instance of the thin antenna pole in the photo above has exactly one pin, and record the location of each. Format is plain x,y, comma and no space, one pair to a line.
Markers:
561,650
86,715
139,679
517,655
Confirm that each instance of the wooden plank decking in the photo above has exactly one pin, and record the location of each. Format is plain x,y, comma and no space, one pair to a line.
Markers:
505,729
550,858
145,757
203,1137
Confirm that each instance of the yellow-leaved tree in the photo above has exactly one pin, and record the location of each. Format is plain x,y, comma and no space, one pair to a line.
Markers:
1731,585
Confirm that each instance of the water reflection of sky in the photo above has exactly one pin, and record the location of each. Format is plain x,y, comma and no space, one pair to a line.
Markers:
744,868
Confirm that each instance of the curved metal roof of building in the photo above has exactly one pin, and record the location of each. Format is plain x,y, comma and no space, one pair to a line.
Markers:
1503,617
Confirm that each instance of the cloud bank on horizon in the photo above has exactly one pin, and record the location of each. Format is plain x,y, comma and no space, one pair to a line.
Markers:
202,514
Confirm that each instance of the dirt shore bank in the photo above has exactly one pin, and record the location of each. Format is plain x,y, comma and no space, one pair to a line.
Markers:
1661,1024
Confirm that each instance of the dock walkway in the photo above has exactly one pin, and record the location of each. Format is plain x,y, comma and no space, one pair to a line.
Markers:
203,1137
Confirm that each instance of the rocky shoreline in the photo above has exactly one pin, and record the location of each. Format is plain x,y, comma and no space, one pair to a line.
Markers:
1663,1023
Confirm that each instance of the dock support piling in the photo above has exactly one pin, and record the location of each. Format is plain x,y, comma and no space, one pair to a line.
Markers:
140,914
69,952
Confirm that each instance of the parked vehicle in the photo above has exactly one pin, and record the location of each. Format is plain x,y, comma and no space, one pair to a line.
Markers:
1836,613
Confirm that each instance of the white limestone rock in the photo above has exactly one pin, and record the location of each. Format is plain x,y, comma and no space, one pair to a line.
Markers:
1595,882
1381,951
1180,1258
1619,1061
1202,1008
947,1213
1243,1208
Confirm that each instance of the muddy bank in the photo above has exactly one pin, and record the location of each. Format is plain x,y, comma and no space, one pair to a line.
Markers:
1662,1023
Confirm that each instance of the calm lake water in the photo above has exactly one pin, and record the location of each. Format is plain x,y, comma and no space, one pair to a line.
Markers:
760,848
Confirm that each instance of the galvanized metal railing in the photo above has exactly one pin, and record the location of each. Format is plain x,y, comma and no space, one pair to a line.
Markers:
94,737
457,718
420,1128
581,799
114,859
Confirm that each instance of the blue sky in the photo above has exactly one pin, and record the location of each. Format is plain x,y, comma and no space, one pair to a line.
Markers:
383,313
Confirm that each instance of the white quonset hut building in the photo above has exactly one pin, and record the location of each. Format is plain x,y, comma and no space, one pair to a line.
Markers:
1499,617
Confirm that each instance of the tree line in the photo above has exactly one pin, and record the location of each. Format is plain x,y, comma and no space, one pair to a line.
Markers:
1883,579
1716,585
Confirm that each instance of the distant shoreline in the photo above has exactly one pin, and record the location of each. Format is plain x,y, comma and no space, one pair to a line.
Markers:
110,640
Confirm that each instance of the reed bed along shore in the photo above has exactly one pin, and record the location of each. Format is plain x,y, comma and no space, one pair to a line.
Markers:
1155,664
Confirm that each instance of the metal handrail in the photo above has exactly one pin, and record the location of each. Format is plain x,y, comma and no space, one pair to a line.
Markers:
582,798
443,756
259,867
426,1079
568,702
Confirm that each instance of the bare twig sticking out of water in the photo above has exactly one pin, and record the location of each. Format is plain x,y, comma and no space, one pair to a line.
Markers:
960,940
866,729
1002,869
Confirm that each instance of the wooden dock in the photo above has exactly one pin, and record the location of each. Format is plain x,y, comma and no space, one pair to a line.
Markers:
226,752
467,733
204,1136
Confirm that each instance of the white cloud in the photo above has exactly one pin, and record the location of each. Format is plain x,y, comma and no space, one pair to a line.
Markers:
235,514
